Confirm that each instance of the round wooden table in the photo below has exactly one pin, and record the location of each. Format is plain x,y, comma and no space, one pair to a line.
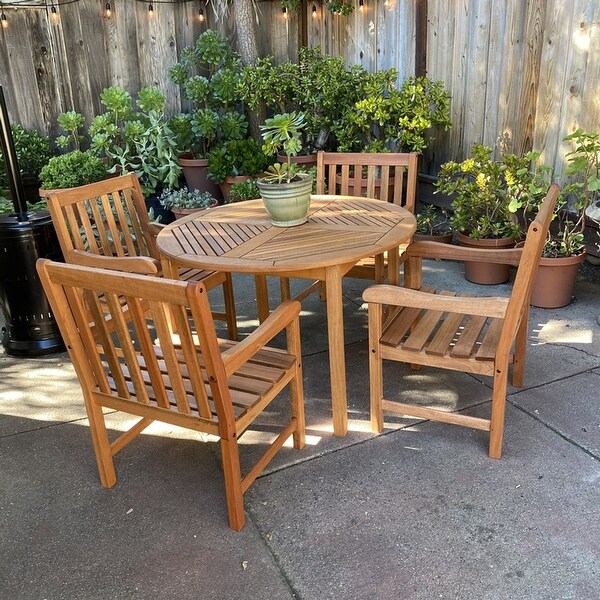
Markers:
341,230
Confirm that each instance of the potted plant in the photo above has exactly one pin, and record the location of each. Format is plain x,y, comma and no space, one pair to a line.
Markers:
208,75
564,250
234,161
33,152
319,86
184,202
480,204
433,224
244,190
70,170
284,189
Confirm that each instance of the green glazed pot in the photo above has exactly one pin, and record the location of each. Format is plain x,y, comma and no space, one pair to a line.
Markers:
287,203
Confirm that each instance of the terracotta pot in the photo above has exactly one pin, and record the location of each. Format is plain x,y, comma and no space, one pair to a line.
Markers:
481,272
195,171
443,239
229,181
184,212
554,281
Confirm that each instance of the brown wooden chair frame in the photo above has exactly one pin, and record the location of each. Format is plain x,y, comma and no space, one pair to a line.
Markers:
110,218
475,335
189,378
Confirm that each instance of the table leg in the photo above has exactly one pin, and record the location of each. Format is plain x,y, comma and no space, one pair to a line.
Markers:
337,359
262,297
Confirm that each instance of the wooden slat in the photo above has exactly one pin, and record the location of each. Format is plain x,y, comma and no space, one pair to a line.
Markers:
469,336
489,344
423,329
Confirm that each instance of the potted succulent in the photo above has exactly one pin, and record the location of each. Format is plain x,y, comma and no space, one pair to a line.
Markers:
208,75
235,161
184,202
564,250
433,224
70,170
480,204
244,190
33,152
319,86
285,190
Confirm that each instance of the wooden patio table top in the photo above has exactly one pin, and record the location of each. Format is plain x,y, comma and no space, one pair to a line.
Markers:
340,231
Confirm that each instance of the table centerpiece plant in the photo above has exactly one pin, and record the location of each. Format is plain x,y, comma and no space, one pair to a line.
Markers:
285,189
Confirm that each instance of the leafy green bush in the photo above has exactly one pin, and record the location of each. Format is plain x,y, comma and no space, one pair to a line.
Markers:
32,149
236,157
245,190
72,170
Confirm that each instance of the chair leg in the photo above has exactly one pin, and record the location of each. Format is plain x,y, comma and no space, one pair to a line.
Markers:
375,368
498,410
231,317
297,385
284,286
101,444
233,483
520,351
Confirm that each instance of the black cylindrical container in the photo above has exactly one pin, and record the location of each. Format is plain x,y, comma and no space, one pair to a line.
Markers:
30,328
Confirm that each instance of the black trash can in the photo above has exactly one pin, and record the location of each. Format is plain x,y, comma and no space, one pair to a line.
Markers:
30,328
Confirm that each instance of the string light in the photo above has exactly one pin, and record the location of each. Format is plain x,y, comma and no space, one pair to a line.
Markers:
314,11
54,12
201,15
107,10
4,21
284,11
361,5
150,9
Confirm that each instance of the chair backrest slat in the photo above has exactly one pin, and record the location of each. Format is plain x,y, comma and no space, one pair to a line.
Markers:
390,177
518,305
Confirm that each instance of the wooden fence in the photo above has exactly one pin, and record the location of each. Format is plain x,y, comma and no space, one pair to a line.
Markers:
522,74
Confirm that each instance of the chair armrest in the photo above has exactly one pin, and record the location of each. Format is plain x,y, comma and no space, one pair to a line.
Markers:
283,315
512,256
142,265
155,228
399,296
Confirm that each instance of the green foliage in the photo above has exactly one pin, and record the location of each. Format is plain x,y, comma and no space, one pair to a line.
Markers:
340,7
71,122
319,86
208,74
432,220
236,157
390,119
481,200
245,190
72,169
282,133
185,198
32,149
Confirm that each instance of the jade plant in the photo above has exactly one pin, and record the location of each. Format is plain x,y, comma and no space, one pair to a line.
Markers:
208,74
391,119
72,169
235,158
244,190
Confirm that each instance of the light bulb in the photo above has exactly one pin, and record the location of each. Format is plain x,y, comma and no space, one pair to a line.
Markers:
361,5
314,12
4,21
107,10
284,11
150,9
201,15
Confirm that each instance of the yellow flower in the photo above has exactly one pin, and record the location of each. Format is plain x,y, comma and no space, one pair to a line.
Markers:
467,165
510,180
481,181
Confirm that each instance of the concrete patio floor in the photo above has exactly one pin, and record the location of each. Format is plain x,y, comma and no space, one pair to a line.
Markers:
418,512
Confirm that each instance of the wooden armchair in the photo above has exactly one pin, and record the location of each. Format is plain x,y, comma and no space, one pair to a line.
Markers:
189,379
470,334
110,218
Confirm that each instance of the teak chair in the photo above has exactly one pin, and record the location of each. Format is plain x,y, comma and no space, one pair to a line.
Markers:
386,176
470,334
110,218
130,360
